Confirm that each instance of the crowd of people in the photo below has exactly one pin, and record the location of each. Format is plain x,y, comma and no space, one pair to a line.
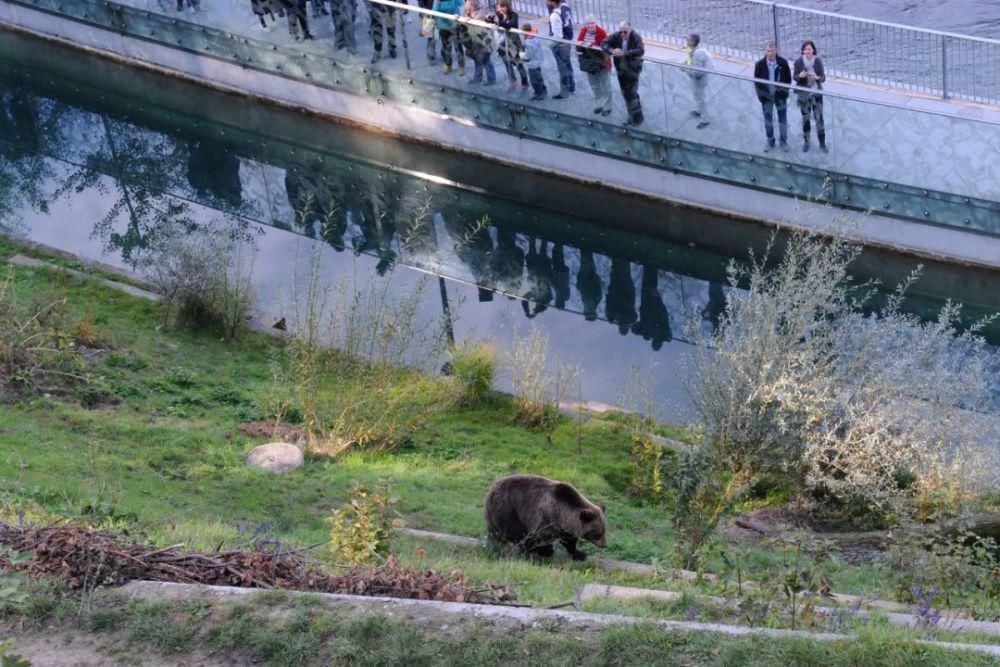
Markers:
523,53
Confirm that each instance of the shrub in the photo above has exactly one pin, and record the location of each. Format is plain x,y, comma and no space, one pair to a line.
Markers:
962,570
348,363
473,367
360,530
37,350
799,383
204,278
538,390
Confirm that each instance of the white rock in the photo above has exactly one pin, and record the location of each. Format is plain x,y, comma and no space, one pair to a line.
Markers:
276,457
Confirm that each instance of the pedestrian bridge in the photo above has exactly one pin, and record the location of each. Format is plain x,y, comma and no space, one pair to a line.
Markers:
903,170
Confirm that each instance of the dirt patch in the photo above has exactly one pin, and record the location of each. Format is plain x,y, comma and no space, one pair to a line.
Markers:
274,432
61,647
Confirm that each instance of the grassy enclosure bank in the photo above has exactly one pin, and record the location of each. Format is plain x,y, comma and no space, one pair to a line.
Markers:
140,432
150,443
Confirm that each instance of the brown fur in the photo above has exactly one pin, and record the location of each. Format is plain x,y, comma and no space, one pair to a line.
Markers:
533,512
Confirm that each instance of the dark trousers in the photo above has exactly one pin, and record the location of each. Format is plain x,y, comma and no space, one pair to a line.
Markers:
537,81
449,41
811,107
383,19
768,107
344,13
630,91
298,25
564,63
511,66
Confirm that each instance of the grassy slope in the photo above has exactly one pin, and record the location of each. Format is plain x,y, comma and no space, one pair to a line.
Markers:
167,461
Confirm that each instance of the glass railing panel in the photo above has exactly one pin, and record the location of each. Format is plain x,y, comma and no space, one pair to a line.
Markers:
868,143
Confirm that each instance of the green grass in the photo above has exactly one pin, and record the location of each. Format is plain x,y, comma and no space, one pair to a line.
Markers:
166,462
276,629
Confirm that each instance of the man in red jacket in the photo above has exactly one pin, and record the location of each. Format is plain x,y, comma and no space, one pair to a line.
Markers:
596,63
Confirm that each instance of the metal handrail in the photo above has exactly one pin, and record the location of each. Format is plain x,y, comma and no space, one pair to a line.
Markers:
667,63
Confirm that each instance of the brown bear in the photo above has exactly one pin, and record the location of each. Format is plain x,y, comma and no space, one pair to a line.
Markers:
533,512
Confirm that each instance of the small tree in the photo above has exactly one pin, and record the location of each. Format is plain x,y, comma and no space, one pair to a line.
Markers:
798,382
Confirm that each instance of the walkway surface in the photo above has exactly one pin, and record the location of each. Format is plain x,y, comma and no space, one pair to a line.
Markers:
879,134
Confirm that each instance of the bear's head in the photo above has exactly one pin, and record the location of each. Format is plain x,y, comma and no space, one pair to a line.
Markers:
593,525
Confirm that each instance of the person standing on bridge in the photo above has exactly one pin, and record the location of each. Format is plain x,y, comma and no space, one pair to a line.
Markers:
561,26
382,19
809,77
596,63
627,50
698,57
448,33
344,13
775,70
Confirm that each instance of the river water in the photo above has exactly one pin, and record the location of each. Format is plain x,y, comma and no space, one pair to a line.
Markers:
99,159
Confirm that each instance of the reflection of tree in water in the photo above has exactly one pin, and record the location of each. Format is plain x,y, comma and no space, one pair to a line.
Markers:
144,167
23,171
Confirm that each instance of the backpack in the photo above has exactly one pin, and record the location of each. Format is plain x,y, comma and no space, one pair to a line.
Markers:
566,14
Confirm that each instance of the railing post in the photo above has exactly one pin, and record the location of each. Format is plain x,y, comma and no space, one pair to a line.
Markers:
944,67
774,21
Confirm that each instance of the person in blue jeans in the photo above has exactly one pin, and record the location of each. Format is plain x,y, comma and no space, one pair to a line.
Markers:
561,26
773,69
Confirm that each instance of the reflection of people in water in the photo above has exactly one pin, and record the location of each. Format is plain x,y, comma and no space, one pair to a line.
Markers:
214,172
619,307
473,245
654,320
378,215
560,276
318,205
588,284
508,261
716,305
540,290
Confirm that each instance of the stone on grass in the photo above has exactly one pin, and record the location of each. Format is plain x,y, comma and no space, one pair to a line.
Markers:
275,457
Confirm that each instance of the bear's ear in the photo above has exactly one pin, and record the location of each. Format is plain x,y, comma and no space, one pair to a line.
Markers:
603,508
587,515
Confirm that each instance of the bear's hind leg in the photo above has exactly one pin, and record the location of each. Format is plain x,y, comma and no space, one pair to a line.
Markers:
570,544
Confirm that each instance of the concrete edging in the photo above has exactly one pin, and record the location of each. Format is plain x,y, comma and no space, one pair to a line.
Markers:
430,612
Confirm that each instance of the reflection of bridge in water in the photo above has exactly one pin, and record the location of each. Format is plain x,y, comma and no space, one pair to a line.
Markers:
161,170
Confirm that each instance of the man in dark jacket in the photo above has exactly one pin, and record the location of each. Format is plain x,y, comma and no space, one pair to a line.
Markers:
773,69
627,49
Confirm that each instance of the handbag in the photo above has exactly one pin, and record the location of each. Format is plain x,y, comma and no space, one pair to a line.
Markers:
427,26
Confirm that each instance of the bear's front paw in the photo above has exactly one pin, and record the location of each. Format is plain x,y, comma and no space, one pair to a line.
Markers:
579,556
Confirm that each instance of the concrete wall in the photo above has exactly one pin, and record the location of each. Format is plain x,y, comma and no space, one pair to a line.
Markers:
440,129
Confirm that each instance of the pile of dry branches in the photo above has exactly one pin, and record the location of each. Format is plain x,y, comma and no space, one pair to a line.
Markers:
86,559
